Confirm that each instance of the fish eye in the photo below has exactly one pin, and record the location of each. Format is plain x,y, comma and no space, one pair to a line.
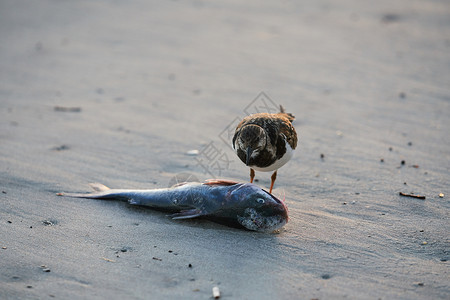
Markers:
260,200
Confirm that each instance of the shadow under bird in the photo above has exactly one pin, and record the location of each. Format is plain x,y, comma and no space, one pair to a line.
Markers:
243,205
265,142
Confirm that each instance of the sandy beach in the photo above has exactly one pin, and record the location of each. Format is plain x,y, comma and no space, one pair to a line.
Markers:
140,94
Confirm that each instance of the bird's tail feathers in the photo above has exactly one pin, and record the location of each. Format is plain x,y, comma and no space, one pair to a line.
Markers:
290,116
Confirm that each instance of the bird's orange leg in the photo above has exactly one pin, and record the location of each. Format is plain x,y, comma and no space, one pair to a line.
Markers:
274,176
252,175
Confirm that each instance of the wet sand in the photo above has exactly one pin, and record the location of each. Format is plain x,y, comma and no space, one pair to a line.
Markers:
119,92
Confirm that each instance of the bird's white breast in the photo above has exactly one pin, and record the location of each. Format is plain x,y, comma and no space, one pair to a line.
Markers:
278,163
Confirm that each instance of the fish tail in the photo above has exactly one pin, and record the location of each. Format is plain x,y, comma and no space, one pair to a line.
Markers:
98,187
95,195
100,192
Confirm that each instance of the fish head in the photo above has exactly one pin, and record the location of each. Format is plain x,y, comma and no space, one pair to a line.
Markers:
258,209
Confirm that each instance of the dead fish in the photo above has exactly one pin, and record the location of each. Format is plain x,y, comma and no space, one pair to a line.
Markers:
226,202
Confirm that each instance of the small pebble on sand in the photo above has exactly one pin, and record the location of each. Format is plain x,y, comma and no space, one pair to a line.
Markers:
216,292
192,152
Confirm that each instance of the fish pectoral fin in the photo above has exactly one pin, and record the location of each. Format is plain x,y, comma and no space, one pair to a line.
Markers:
187,214
98,187
220,182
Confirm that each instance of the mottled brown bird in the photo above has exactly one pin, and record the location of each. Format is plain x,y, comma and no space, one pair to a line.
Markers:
265,142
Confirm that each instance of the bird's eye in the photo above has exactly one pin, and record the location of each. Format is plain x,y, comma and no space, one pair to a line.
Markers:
260,200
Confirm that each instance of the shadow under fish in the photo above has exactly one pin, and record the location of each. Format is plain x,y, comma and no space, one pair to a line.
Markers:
243,205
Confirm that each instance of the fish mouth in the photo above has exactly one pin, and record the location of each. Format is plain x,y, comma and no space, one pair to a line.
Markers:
252,220
282,202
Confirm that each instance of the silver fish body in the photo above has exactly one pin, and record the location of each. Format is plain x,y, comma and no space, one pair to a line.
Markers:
227,202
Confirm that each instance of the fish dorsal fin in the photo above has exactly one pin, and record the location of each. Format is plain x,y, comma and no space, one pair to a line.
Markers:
98,187
222,182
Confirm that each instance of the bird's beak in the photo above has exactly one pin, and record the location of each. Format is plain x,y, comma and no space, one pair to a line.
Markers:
249,153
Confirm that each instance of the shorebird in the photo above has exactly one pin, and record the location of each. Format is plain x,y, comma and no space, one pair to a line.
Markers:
265,142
